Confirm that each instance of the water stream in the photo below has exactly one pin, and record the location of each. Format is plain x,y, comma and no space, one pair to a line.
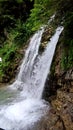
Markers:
22,104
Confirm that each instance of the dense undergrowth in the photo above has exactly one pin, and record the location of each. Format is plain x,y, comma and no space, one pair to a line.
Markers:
13,35
19,19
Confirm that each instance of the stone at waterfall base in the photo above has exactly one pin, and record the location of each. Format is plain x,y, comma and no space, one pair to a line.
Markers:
60,116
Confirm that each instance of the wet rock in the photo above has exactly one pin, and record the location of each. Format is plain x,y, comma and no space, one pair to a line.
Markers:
69,75
51,122
47,34
60,117
45,38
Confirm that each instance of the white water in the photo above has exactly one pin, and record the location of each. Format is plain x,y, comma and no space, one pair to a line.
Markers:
28,107
0,59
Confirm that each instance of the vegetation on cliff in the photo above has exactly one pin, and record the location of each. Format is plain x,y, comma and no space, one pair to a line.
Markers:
13,34
65,12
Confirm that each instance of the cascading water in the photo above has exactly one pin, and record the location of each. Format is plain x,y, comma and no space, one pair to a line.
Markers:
26,107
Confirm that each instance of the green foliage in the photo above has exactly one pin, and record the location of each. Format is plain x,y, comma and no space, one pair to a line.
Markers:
14,32
63,7
67,59
19,1
8,55
65,13
68,38
22,34
69,26
40,13
67,56
12,11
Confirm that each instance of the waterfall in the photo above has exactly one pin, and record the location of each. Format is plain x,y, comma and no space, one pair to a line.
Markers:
44,64
27,107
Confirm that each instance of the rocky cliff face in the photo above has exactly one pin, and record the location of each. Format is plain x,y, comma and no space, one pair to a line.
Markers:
59,92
